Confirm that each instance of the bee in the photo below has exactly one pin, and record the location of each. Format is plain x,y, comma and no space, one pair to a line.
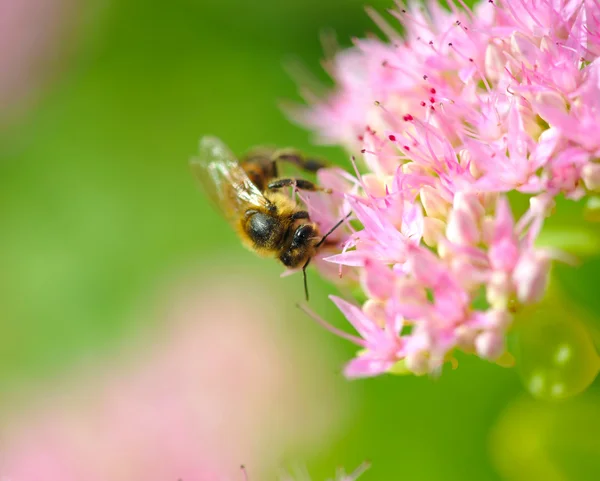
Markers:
248,194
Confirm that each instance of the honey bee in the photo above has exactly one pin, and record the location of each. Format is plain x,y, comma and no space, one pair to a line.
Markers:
247,193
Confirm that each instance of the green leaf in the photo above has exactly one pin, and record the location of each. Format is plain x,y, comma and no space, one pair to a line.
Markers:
581,241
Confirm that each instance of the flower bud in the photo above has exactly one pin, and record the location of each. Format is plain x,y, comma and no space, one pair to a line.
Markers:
489,345
462,228
550,105
375,310
590,173
464,158
433,230
433,203
417,362
444,250
498,319
488,201
541,205
499,289
487,229
469,201
531,277
528,117
465,338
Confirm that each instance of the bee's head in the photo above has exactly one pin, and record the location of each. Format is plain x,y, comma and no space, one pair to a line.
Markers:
301,247
305,235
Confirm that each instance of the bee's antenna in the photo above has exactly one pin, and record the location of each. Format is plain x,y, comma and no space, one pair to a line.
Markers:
305,278
324,238
319,244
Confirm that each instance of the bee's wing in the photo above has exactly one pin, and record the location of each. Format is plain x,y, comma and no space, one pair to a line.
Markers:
223,179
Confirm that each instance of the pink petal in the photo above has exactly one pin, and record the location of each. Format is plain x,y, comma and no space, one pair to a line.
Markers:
504,222
350,258
378,279
366,366
363,325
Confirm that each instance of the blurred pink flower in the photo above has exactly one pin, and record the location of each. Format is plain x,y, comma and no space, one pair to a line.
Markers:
218,385
462,108
30,34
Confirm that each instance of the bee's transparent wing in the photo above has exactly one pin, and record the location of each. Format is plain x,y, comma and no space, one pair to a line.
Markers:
224,180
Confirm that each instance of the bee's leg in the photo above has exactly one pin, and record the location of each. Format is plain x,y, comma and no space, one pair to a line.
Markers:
301,184
297,158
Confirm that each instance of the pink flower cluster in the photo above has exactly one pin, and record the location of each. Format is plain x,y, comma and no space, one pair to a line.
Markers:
464,107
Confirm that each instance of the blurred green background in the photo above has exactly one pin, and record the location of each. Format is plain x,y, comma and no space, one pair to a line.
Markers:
98,211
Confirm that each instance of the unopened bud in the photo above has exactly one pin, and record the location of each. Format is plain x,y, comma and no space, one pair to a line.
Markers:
470,202
550,106
462,228
529,118
465,338
542,205
488,227
375,310
498,319
499,289
590,173
433,203
489,345
488,201
433,230
417,362
475,170
464,157
531,277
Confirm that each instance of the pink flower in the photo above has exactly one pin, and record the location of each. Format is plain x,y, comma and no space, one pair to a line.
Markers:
380,338
484,84
463,108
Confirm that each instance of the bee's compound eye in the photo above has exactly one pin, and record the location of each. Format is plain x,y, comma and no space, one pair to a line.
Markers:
302,234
